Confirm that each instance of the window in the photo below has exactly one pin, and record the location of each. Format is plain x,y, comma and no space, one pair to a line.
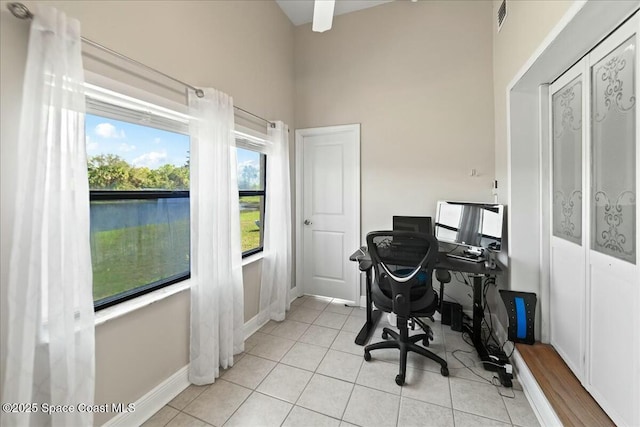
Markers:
252,187
138,165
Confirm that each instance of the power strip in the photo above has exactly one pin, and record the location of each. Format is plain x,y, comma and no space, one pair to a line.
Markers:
504,371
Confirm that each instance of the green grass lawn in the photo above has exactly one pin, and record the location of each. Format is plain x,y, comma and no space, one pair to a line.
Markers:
249,231
128,258
131,257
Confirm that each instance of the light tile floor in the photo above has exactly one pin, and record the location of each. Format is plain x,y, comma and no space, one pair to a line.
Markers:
307,371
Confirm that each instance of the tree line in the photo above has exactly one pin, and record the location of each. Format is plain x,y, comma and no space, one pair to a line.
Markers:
112,172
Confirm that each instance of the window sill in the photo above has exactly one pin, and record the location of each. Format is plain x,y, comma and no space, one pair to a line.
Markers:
252,258
124,308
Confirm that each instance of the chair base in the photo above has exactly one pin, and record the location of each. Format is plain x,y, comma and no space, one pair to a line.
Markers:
405,344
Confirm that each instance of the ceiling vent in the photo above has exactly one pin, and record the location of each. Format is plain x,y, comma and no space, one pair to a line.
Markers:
502,14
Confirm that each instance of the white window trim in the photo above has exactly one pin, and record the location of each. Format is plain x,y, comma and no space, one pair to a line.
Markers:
134,304
137,95
251,140
117,106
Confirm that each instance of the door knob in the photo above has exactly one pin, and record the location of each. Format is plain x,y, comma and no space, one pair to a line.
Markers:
307,222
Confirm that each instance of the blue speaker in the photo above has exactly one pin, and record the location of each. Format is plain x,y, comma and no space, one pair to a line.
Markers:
521,309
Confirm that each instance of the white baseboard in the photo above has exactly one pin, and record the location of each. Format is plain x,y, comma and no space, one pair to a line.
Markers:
153,401
255,323
294,293
252,326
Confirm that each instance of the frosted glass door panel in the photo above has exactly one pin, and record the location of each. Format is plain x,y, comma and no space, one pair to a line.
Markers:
613,200
567,161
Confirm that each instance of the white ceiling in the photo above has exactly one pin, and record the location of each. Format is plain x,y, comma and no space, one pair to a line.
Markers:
301,11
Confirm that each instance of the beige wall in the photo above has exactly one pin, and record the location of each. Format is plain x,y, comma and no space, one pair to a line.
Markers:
244,48
528,23
526,26
418,78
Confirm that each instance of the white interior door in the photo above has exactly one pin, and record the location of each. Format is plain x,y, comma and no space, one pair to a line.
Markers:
328,210
567,257
613,298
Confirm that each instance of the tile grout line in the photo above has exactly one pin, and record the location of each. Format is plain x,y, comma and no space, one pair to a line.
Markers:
314,372
354,383
170,419
453,414
199,419
486,418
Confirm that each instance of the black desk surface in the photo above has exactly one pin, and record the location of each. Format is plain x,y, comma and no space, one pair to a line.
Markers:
444,262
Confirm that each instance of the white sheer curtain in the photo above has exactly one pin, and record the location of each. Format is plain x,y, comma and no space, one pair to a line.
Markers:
217,296
50,350
277,262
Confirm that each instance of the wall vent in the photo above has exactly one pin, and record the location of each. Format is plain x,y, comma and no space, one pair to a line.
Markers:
502,14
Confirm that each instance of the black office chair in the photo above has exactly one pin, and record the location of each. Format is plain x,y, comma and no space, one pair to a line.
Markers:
406,292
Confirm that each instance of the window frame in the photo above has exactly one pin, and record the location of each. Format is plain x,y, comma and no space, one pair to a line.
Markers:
263,193
250,140
106,103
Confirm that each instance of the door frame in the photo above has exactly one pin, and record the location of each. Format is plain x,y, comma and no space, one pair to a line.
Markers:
300,135
582,27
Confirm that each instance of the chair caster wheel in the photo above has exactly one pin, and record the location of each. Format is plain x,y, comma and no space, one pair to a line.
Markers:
367,356
385,335
444,371
400,380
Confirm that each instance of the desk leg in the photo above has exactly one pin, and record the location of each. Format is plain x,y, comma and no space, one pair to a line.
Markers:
372,316
476,334
478,313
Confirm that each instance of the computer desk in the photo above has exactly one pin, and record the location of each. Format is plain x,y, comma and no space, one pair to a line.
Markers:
477,271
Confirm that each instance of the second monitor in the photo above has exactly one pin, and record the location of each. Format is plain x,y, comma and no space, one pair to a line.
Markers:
420,224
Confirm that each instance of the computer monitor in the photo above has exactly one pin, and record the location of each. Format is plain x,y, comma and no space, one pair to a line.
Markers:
420,224
475,225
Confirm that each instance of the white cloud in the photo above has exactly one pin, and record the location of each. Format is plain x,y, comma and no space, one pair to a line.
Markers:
126,147
157,140
107,130
91,144
151,160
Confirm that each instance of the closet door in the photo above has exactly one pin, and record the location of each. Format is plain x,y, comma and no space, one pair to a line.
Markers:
567,256
613,371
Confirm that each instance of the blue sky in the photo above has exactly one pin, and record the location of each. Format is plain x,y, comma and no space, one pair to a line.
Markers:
247,157
138,145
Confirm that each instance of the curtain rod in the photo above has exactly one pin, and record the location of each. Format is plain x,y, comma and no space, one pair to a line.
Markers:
21,11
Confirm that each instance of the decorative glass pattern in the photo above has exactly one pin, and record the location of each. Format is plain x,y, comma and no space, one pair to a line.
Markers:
613,200
567,161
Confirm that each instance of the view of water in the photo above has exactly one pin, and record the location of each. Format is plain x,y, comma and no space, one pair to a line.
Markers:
112,215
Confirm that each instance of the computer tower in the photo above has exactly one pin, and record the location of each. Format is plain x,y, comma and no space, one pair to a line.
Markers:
452,315
445,316
456,317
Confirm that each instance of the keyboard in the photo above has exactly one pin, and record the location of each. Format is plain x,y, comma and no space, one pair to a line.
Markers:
467,257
